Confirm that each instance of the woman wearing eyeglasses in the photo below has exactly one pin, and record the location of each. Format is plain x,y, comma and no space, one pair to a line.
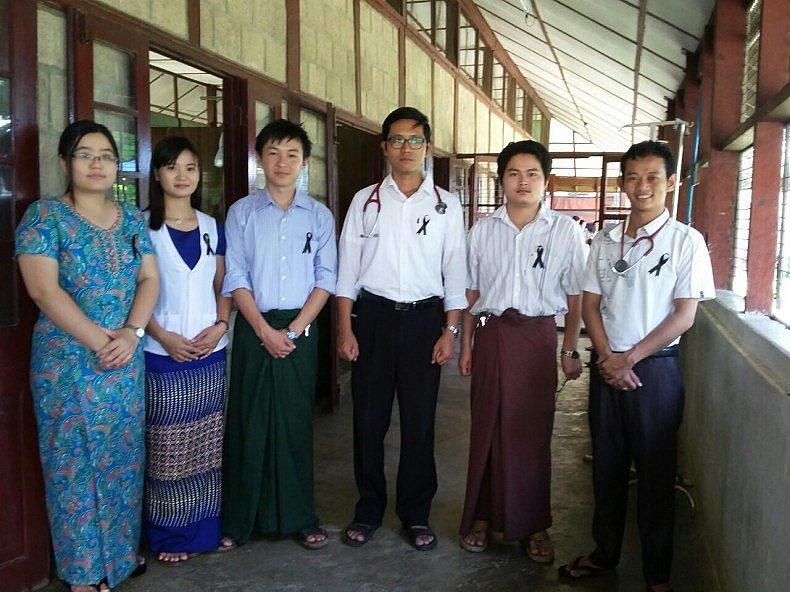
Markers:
88,264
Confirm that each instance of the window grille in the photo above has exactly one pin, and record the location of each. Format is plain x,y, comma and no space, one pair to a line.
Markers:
751,60
781,308
742,218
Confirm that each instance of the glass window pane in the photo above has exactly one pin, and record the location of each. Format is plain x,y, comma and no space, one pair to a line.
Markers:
440,26
124,130
264,113
5,37
52,93
313,176
113,76
7,220
6,149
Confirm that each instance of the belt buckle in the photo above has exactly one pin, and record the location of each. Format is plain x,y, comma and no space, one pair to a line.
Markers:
404,306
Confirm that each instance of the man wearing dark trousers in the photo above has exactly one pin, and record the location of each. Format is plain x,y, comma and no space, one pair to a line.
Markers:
644,280
402,269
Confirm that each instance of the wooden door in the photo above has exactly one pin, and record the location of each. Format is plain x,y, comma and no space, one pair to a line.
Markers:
24,544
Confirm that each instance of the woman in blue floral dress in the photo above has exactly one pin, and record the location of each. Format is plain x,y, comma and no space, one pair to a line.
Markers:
88,263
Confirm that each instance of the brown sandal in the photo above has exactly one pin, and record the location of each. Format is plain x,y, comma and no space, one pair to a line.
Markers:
537,545
479,527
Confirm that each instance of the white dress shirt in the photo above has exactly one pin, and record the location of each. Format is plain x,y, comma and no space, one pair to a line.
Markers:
532,270
635,302
406,251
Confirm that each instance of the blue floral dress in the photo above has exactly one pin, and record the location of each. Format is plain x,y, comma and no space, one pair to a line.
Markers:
91,421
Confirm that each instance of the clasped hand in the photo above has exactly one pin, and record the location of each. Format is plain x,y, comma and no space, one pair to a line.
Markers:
616,371
118,351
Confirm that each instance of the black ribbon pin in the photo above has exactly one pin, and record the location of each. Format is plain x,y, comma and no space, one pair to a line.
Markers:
424,228
539,259
207,240
660,264
307,238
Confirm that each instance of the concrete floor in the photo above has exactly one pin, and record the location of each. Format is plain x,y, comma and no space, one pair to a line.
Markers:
389,563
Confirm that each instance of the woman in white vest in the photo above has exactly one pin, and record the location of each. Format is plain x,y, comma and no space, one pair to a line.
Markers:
185,362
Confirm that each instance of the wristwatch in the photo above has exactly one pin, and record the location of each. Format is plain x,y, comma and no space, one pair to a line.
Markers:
454,329
572,354
139,332
291,334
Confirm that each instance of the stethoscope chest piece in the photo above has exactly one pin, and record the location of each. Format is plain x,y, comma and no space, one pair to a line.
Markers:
621,266
441,207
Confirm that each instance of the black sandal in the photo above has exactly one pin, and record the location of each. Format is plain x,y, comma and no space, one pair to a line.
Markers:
416,532
313,530
366,530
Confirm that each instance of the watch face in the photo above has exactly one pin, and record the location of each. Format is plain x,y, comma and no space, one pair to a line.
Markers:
291,334
140,332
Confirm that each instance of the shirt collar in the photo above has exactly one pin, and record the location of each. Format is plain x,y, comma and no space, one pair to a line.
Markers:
543,215
426,187
616,233
301,200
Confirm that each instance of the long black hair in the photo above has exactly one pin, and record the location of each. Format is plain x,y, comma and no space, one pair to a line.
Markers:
70,139
166,152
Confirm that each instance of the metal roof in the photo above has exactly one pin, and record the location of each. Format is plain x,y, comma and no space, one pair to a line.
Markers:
604,68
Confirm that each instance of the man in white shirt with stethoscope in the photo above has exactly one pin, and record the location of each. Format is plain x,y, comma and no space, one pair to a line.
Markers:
402,269
644,280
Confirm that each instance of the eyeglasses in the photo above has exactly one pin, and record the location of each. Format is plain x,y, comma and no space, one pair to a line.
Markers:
91,158
413,142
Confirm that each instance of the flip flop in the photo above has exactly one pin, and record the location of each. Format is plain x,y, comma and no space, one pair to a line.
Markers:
226,544
416,532
542,540
313,530
478,527
141,568
170,562
366,530
575,565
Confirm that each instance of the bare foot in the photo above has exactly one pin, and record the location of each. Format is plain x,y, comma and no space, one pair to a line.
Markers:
172,558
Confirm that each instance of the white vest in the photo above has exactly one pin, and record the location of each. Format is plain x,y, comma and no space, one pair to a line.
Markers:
187,302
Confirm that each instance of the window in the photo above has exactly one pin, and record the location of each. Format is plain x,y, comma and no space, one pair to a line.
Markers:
467,47
742,219
429,17
781,308
751,60
498,84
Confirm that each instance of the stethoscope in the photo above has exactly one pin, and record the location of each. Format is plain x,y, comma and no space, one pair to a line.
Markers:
374,198
621,265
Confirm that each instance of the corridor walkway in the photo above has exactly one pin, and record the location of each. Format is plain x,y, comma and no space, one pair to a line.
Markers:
388,563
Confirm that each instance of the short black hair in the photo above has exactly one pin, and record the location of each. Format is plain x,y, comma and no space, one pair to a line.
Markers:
70,139
537,149
406,113
166,152
282,129
649,148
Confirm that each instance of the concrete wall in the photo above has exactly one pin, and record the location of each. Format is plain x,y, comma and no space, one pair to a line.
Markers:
378,53
252,33
735,444
248,32
170,16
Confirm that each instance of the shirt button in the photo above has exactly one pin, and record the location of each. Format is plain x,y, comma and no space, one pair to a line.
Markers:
282,277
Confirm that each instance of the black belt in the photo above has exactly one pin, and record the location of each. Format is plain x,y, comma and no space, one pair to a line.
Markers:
668,352
433,301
